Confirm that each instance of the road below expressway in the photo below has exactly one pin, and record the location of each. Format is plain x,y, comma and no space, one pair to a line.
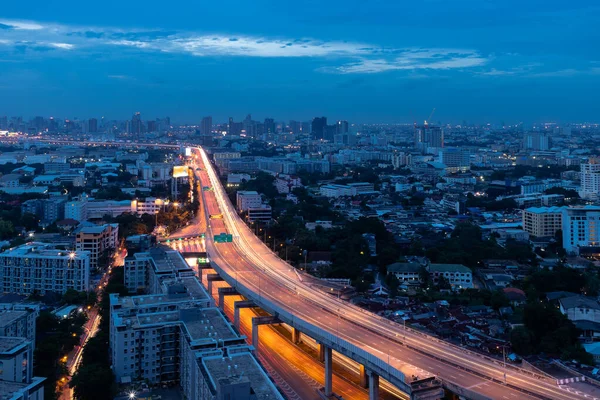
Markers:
251,264
296,372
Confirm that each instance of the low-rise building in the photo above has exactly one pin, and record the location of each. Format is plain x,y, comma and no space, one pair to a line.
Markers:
18,320
246,199
264,213
41,268
584,312
16,370
542,221
459,276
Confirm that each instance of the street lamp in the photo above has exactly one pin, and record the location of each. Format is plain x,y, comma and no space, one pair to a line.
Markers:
131,395
504,359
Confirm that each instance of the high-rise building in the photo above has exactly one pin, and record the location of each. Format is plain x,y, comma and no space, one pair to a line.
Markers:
590,179
537,141
269,126
249,126
152,126
3,123
428,136
295,127
206,126
319,126
341,127
93,125
580,228
135,127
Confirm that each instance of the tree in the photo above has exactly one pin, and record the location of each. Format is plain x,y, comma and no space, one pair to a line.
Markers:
93,382
520,340
7,230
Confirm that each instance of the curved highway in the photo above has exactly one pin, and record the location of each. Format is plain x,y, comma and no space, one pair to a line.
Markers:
252,264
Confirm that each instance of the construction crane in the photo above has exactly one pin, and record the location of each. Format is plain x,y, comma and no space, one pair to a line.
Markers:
430,116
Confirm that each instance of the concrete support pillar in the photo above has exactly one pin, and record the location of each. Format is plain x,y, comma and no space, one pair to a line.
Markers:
225,291
236,311
210,279
321,352
256,322
255,336
373,386
364,378
328,371
295,336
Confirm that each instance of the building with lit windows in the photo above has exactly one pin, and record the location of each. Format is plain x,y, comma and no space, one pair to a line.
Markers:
590,179
41,268
96,240
542,221
581,228
246,199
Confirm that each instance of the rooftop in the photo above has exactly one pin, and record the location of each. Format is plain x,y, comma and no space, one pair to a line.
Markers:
9,316
543,210
7,344
239,368
449,268
578,301
206,323
404,267
43,250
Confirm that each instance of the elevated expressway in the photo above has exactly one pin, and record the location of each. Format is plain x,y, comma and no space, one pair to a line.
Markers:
384,348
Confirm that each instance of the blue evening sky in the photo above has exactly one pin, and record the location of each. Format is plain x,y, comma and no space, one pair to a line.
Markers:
364,61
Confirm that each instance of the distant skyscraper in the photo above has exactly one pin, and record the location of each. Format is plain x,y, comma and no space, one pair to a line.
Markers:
136,124
206,126
230,126
295,127
269,126
428,136
249,126
537,141
3,123
152,126
319,125
341,127
93,125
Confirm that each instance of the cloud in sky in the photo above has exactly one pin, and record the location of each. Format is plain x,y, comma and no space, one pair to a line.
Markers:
351,57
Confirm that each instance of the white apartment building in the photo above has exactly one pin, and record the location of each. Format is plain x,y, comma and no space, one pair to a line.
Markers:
150,205
401,159
175,336
114,208
96,240
351,189
264,213
38,267
580,228
16,370
542,221
333,190
248,199
590,179
455,159
286,183
18,320
77,210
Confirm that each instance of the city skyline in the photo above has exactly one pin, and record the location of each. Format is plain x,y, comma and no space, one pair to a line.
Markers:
386,63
